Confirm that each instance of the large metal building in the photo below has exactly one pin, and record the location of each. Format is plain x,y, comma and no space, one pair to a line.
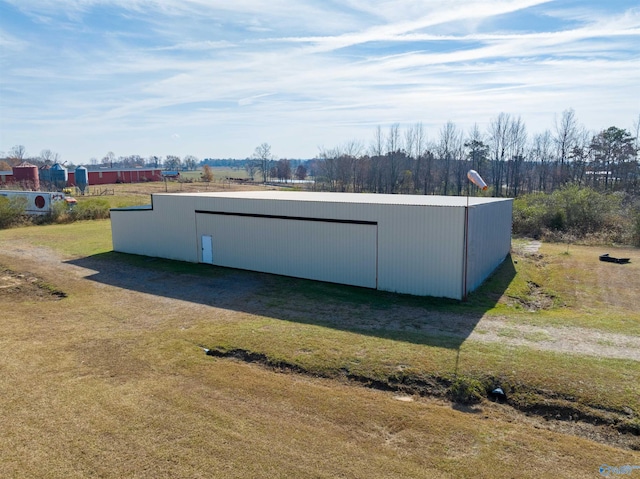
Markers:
420,245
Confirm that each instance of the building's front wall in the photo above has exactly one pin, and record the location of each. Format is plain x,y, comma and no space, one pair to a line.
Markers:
424,259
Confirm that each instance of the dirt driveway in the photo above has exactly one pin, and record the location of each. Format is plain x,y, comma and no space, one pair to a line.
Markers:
235,292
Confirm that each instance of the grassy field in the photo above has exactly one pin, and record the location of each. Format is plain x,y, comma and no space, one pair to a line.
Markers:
104,372
130,194
223,179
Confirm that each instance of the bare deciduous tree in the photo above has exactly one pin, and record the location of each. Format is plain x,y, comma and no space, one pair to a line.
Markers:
301,172
542,155
498,142
172,162
17,154
251,166
449,148
416,145
565,138
49,157
263,155
190,162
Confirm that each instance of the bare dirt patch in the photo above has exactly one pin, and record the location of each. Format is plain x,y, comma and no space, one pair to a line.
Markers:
536,299
26,286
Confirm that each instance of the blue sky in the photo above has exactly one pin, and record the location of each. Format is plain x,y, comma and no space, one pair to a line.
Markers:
217,78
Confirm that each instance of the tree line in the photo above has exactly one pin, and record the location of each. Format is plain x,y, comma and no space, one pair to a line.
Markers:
396,160
510,161
18,154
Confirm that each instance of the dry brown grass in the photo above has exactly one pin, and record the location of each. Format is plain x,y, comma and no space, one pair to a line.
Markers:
110,382
588,292
219,184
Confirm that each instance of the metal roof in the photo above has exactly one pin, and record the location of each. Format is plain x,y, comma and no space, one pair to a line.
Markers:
363,198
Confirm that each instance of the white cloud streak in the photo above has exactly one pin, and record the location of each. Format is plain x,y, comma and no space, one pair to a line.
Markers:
303,72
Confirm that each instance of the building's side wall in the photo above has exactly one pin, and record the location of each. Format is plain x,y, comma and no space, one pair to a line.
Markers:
489,239
166,231
420,250
110,177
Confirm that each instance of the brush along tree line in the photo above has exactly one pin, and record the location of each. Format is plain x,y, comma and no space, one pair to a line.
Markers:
18,154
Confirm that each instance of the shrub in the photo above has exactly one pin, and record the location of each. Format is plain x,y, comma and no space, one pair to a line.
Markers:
90,209
585,210
534,213
573,211
59,212
12,211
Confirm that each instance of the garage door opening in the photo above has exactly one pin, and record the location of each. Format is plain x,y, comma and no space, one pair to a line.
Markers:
335,251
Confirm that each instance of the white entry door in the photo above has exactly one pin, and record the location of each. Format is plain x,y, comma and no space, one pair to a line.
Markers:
207,249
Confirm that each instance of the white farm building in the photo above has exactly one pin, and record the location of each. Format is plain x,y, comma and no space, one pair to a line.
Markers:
420,245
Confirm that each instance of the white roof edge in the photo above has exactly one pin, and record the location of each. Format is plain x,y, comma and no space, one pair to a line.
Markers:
361,198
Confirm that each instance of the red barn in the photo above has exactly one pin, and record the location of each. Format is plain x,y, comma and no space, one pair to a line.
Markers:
110,177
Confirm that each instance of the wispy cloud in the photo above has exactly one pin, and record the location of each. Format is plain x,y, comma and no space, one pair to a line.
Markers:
128,75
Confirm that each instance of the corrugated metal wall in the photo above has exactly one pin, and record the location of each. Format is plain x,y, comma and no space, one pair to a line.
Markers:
334,252
419,247
419,250
166,231
489,239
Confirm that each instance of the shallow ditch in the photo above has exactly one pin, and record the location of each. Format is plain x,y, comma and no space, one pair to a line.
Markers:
618,428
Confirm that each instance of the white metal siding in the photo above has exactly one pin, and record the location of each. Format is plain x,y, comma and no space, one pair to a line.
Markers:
37,202
489,240
166,231
419,250
289,207
334,252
